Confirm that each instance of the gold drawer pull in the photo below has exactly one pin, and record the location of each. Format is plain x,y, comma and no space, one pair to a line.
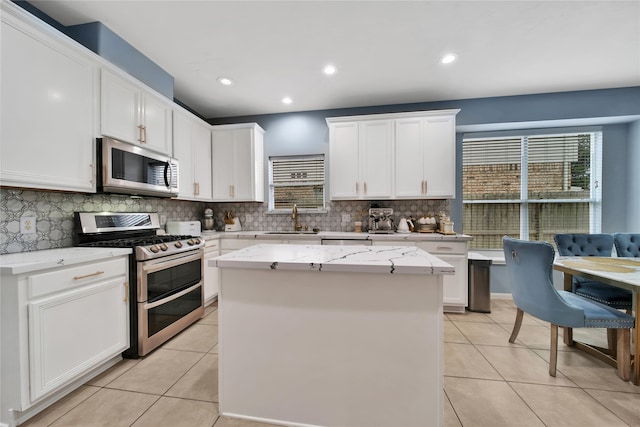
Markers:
97,273
126,291
448,248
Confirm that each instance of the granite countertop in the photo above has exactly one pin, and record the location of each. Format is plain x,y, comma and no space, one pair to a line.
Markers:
317,258
27,262
336,235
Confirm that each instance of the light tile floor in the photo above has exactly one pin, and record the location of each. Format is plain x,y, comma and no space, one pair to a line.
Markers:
488,381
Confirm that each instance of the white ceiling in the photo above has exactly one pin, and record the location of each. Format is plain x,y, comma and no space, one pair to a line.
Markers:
386,52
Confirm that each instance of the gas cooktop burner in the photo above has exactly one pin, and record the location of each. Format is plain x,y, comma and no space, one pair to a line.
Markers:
136,241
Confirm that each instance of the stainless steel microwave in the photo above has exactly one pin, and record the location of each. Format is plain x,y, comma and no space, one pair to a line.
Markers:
125,168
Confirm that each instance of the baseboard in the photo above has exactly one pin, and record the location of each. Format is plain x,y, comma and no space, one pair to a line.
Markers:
496,295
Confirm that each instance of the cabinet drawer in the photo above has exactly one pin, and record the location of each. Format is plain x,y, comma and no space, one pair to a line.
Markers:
213,244
68,278
233,244
444,247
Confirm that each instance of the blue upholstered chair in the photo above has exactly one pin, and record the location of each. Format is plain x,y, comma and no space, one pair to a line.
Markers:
593,245
627,245
530,269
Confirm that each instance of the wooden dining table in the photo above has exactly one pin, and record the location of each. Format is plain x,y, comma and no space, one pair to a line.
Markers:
619,272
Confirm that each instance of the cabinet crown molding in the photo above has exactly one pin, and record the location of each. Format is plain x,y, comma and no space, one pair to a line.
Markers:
393,116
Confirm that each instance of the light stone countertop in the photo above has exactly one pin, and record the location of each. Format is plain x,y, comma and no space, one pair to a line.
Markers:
336,235
27,262
317,258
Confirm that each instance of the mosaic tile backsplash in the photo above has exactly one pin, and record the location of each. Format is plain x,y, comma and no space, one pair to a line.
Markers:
54,214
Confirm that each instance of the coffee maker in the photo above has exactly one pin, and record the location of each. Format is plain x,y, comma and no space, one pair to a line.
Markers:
380,220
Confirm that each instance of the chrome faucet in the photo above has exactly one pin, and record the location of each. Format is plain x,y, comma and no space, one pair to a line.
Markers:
294,217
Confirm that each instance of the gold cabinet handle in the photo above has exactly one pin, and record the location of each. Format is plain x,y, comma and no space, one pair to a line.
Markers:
422,187
365,188
93,174
144,132
357,189
444,248
126,291
426,187
196,189
97,273
140,139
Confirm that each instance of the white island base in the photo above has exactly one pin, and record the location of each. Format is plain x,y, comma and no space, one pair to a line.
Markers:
330,348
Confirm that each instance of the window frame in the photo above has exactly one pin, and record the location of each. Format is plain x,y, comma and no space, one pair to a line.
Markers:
524,201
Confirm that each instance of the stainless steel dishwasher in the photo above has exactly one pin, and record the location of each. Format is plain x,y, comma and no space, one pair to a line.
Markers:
345,242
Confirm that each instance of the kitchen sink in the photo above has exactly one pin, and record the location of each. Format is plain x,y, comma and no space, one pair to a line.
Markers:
292,232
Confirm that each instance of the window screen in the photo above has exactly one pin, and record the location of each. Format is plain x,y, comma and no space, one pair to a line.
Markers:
296,179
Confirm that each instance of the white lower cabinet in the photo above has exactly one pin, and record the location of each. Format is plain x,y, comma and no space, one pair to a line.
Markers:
96,313
455,290
211,277
455,287
60,327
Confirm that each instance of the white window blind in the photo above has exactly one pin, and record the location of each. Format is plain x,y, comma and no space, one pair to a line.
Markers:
531,187
296,179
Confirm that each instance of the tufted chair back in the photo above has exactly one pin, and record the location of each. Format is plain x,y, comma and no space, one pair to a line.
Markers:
627,244
584,244
593,245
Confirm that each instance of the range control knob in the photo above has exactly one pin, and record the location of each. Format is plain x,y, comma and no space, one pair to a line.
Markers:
190,242
155,249
164,247
178,245
197,240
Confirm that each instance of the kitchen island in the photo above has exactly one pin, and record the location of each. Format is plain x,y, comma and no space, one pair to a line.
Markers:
331,335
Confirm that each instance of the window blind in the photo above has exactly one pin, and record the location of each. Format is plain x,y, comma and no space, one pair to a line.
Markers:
530,187
298,180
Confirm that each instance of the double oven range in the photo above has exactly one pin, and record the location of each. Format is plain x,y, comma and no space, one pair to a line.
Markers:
165,274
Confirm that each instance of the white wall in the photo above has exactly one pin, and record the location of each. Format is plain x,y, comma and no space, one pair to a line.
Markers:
633,178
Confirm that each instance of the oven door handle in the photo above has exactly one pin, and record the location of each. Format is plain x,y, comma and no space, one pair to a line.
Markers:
174,296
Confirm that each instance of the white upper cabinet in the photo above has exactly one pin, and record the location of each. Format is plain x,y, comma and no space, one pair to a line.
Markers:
425,157
360,159
192,148
48,113
238,163
392,156
135,115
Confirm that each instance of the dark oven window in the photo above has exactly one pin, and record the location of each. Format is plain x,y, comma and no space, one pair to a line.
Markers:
164,315
163,283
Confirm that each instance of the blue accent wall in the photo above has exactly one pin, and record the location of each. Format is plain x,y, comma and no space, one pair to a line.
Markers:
307,133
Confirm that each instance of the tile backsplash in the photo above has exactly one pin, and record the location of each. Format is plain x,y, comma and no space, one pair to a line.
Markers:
54,214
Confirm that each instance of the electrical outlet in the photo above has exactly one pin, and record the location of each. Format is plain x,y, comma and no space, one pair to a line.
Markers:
346,218
163,219
28,225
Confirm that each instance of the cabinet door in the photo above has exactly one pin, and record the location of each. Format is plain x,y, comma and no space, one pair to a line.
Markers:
223,152
376,154
409,162
47,112
182,150
72,332
343,161
120,111
156,119
211,286
201,160
455,286
439,157
243,165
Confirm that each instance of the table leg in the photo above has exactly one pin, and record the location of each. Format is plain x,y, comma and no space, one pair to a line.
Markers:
568,286
635,333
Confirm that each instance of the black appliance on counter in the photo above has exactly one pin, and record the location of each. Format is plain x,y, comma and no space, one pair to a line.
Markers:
165,273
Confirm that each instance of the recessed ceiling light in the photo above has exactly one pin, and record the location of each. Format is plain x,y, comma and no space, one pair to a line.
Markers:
287,100
448,58
329,70
226,81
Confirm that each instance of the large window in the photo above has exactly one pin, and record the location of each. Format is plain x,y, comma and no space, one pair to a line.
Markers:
530,187
296,179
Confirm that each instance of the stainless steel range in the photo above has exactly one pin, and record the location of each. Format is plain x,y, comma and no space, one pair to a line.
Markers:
165,273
